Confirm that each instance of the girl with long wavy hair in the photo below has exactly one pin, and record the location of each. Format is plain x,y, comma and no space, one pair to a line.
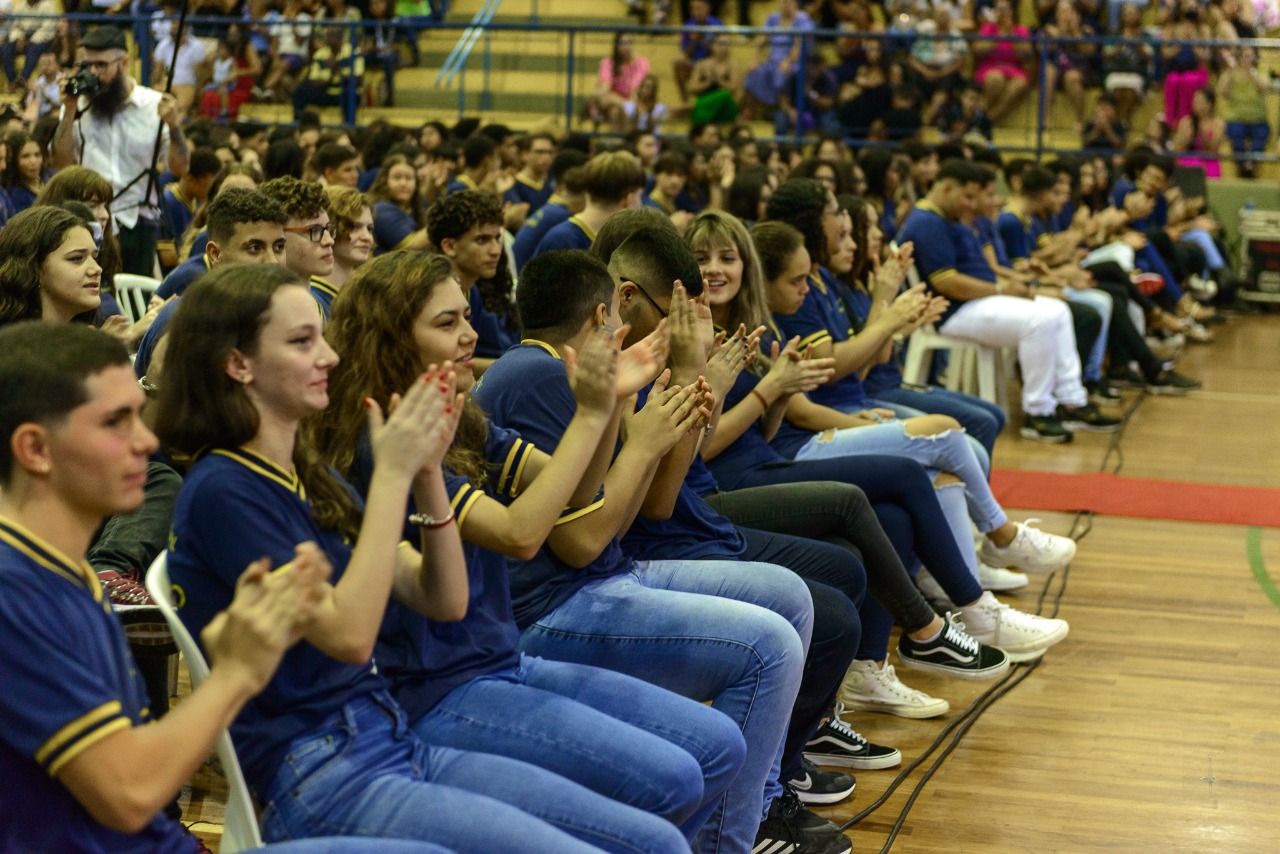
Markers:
457,682
325,746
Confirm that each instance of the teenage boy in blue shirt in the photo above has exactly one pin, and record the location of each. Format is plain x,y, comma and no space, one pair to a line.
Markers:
85,766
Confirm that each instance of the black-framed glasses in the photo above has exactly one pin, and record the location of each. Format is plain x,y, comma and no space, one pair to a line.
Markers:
314,233
645,293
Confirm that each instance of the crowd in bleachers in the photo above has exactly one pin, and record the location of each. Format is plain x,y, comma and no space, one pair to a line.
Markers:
570,434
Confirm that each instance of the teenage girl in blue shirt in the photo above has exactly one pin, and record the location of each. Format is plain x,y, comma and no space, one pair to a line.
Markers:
616,735
325,746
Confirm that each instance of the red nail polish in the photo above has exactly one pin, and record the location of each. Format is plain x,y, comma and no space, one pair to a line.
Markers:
444,388
448,408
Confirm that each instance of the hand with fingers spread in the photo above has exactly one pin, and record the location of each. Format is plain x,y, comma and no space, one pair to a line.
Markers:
727,361
887,280
593,373
418,429
641,363
667,415
793,373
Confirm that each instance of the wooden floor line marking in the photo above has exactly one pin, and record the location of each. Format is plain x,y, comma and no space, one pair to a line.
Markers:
1253,547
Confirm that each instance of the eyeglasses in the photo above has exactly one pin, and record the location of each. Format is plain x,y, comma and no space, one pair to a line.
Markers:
644,293
314,233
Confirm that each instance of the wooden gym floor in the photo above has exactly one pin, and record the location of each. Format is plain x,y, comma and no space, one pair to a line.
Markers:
1156,725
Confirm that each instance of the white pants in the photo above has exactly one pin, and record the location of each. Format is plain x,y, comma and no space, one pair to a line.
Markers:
1041,330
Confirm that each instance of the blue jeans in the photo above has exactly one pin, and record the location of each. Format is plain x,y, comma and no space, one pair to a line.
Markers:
630,741
732,632
1248,138
981,419
363,772
352,845
948,451
1212,257
1099,301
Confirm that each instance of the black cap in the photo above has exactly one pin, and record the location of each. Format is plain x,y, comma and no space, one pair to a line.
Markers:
104,38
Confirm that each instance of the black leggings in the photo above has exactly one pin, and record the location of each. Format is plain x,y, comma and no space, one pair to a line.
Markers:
904,501
1125,342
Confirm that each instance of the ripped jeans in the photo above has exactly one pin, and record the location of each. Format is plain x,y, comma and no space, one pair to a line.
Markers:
948,451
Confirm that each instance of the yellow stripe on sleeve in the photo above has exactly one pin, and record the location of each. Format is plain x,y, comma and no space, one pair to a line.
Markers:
508,463
940,275
68,733
75,749
519,473
461,514
572,515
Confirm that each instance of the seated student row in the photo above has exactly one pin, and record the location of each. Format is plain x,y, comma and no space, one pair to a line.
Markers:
192,310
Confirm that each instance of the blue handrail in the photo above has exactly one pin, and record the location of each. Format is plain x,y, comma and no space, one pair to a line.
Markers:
461,52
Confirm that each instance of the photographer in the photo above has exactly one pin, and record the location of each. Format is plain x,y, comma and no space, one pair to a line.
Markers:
109,124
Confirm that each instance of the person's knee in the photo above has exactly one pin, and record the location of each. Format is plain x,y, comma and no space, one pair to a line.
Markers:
1017,86
946,478
930,425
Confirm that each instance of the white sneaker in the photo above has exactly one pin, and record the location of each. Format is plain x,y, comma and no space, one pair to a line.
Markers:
871,688
1023,636
1000,580
1032,550
932,590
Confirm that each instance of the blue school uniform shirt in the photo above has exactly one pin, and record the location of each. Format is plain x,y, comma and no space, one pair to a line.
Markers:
649,201
391,226
176,213
694,530
573,233
324,294
460,183
182,277
1016,233
199,243
234,508
886,375
6,207
535,228
970,259
423,659
366,179
535,195
749,451
822,318
1159,216
527,390
69,681
150,338
20,198
989,235
935,240
495,334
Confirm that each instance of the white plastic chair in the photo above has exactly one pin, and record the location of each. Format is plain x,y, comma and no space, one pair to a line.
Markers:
968,359
240,824
134,292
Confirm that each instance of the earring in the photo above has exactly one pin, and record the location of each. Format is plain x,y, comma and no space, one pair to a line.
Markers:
44,468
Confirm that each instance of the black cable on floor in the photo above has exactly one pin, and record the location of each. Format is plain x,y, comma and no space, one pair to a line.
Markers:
1081,526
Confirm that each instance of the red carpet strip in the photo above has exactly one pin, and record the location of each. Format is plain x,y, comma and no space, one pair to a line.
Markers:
1136,497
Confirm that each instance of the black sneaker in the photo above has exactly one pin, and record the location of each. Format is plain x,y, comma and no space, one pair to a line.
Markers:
1102,393
789,828
816,786
1087,418
1172,382
1126,377
836,743
1045,428
955,653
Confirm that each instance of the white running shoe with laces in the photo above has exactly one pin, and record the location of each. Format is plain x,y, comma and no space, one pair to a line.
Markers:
1024,637
1032,550
871,688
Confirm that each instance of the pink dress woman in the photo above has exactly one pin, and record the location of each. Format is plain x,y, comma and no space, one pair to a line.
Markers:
1003,58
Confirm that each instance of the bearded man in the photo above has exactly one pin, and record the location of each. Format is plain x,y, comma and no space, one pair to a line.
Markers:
113,132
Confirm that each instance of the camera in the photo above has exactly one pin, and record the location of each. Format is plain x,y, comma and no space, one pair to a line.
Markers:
84,82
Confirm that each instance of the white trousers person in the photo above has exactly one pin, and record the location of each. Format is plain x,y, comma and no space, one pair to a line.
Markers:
1041,330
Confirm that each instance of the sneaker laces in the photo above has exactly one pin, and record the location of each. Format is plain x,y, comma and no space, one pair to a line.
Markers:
1035,537
122,590
844,729
889,681
957,636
